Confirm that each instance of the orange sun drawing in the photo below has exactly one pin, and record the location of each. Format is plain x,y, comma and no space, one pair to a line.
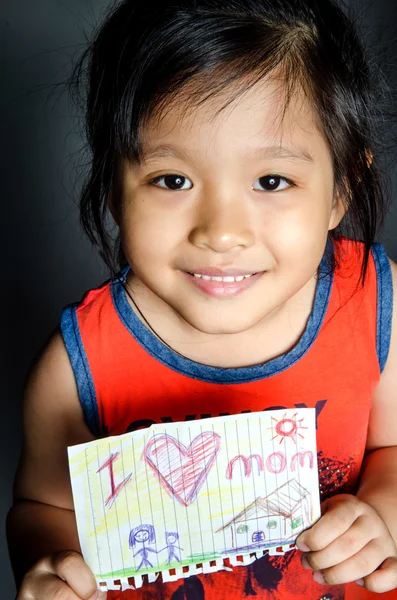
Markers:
288,428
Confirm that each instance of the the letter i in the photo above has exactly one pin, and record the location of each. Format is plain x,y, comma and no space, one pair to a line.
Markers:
115,489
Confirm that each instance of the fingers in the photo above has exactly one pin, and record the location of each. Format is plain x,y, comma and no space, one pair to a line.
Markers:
70,567
339,515
45,586
381,580
384,579
355,567
63,576
350,542
347,545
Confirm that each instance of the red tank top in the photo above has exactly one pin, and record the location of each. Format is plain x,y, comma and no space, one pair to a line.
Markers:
128,379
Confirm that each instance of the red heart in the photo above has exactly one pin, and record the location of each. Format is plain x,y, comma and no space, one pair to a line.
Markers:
181,470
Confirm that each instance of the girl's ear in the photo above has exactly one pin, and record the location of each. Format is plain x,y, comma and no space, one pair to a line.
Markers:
341,203
338,211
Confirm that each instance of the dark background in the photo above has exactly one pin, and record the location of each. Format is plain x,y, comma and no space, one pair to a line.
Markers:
47,262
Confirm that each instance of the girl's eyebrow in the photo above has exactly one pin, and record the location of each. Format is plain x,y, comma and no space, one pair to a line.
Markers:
167,150
296,153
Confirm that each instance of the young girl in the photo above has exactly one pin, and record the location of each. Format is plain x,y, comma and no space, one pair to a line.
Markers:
233,144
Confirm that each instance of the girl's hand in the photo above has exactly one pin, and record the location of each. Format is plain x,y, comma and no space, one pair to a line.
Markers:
64,576
350,542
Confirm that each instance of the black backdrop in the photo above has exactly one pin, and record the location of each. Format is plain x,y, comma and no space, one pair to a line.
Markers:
47,261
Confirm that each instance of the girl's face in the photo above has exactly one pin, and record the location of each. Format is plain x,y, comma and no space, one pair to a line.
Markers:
246,199
142,535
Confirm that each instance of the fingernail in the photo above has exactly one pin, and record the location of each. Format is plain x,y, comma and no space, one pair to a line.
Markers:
318,576
304,562
303,547
360,582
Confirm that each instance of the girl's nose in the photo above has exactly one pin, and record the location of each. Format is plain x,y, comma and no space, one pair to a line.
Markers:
222,225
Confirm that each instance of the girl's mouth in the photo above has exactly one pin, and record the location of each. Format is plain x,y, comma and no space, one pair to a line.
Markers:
225,286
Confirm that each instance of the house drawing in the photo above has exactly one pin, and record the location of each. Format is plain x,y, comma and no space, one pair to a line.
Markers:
271,521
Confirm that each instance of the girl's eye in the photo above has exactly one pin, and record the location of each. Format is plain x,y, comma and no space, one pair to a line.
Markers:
172,182
274,183
269,183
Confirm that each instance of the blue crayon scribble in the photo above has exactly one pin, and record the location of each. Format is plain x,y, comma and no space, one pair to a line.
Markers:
170,538
140,535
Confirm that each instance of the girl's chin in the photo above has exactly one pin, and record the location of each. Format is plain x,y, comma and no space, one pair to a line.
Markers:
219,325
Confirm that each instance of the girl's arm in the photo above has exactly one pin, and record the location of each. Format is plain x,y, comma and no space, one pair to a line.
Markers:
356,538
378,485
41,522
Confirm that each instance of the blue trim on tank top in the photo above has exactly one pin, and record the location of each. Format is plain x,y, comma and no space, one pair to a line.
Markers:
384,311
81,369
219,375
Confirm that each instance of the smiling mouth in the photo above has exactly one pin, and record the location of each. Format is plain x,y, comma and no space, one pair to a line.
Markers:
226,279
223,286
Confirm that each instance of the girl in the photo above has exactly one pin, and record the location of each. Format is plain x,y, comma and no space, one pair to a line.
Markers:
232,143
142,534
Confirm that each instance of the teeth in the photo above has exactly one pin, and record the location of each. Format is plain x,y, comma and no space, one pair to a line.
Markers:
227,279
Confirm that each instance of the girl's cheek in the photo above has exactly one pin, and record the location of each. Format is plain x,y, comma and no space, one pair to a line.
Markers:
297,235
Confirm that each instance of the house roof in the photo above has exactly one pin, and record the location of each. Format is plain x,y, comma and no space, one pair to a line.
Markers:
283,501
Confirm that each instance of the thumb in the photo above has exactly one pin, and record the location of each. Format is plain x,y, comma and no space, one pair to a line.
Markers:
99,596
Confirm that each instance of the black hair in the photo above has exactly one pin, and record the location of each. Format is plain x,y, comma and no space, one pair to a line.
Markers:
146,54
145,527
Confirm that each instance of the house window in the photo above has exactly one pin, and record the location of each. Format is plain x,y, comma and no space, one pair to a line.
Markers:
242,529
296,522
272,524
258,536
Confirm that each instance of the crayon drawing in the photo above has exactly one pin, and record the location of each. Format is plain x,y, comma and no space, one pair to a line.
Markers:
182,471
181,498
141,535
170,539
272,521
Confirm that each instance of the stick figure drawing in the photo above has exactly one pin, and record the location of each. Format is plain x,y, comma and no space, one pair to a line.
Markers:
141,535
170,539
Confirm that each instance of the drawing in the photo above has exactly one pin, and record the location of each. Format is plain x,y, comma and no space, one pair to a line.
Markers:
276,519
288,428
170,539
193,497
247,464
140,535
181,470
114,489
275,463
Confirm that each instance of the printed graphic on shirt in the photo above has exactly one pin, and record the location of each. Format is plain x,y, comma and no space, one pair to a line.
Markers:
333,474
147,422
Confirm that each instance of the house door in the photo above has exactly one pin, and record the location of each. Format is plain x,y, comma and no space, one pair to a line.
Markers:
258,536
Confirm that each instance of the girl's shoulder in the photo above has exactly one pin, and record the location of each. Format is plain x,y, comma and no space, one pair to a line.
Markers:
53,420
384,408
371,298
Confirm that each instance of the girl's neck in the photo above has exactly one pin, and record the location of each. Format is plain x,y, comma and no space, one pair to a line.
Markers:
266,340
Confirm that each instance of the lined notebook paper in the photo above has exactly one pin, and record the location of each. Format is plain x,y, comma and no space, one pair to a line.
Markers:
178,499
